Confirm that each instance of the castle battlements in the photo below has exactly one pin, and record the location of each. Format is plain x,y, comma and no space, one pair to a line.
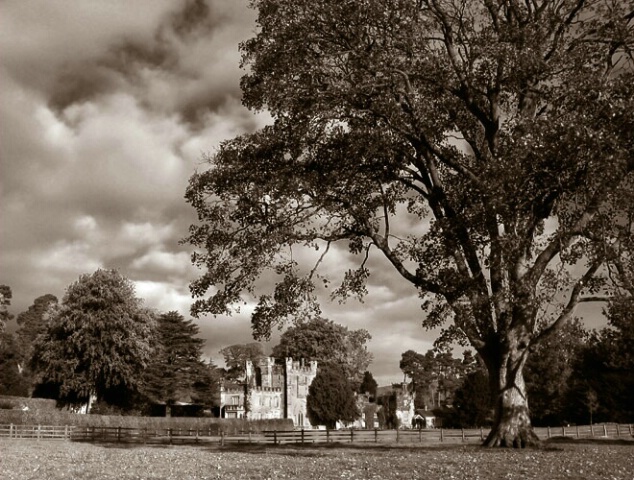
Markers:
271,390
265,389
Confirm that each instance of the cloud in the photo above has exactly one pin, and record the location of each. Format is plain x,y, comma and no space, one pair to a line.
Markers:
106,110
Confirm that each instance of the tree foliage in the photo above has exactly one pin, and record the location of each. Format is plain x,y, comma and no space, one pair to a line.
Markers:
237,355
472,404
12,380
500,131
34,321
176,371
98,343
329,344
387,413
549,372
435,376
5,301
368,384
601,387
331,398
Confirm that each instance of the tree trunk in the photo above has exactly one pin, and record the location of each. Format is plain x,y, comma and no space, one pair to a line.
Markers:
512,425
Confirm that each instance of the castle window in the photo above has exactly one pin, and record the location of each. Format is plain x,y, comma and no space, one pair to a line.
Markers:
235,400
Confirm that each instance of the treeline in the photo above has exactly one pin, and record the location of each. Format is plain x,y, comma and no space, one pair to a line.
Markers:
101,342
575,377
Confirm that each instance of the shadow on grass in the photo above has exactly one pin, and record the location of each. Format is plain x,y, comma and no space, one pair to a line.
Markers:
318,449
589,441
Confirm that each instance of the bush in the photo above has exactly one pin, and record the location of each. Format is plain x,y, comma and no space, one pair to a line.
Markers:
213,425
17,403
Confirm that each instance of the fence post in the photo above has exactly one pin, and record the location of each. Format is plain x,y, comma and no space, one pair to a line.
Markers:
274,437
302,435
563,430
420,435
376,435
351,435
397,435
118,434
441,438
618,433
577,426
327,435
462,432
605,432
66,435
481,435
249,436
548,432
39,431
591,430
630,428
11,431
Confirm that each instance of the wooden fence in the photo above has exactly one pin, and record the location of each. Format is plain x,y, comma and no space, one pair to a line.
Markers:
192,436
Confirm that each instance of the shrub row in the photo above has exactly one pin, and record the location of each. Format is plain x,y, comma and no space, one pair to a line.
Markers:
8,402
212,425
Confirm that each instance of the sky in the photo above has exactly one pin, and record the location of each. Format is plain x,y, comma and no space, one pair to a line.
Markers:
107,108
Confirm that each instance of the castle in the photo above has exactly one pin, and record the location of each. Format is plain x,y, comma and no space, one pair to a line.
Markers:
270,390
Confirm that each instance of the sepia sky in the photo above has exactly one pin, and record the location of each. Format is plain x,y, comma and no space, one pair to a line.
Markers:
106,109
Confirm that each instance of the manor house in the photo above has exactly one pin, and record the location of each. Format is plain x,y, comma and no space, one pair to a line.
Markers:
270,390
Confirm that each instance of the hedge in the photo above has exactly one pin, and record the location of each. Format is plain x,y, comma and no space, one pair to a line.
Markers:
44,416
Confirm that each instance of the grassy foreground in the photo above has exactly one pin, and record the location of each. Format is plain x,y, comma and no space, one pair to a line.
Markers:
56,460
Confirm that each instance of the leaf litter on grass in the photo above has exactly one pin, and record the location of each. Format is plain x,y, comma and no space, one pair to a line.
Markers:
22,460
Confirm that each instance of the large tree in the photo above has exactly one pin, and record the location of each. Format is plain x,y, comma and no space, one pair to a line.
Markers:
328,343
97,343
500,132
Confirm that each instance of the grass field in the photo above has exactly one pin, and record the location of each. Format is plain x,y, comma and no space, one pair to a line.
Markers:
56,460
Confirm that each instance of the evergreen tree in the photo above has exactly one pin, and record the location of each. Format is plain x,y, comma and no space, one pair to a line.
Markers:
473,404
331,398
177,372
368,384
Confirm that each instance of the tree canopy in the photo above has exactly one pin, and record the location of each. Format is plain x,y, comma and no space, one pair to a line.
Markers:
34,321
237,355
435,375
483,147
328,343
368,385
176,371
98,342
5,301
331,398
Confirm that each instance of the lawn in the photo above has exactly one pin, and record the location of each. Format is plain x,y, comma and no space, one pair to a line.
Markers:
56,460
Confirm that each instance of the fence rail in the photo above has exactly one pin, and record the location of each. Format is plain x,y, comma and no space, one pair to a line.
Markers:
405,436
